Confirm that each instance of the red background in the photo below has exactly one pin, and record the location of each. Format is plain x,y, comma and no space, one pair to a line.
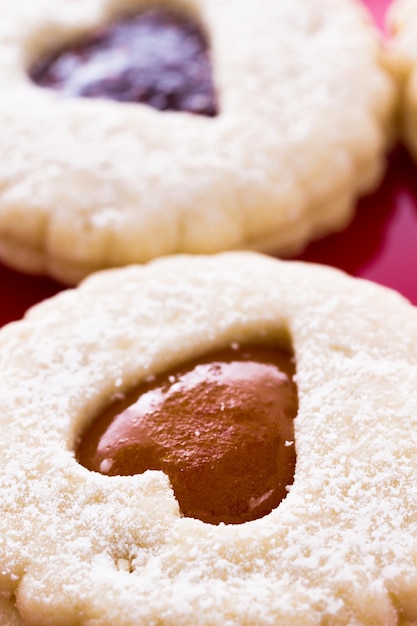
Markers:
380,244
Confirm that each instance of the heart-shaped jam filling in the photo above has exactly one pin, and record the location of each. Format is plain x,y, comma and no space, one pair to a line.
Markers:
221,427
156,57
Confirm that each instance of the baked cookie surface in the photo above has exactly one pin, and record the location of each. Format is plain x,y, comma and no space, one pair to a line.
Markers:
80,547
402,20
304,109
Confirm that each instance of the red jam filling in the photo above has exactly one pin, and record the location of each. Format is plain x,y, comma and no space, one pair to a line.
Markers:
156,57
221,427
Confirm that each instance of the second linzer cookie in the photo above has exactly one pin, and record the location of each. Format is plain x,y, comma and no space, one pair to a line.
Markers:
272,150
186,365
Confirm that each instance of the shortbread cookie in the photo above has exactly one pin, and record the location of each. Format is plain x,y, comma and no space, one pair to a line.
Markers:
293,127
116,546
403,24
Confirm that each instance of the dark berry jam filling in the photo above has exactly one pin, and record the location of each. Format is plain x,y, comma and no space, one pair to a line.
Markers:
156,57
220,427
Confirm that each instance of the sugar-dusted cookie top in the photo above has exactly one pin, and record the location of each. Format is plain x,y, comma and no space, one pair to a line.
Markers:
293,127
402,20
84,547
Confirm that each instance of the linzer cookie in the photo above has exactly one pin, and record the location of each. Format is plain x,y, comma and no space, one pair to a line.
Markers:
130,132
224,439
403,24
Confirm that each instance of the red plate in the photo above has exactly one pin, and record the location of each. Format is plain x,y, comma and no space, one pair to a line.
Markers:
380,244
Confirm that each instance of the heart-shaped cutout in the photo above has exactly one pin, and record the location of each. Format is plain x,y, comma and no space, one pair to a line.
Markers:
156,57
220,427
